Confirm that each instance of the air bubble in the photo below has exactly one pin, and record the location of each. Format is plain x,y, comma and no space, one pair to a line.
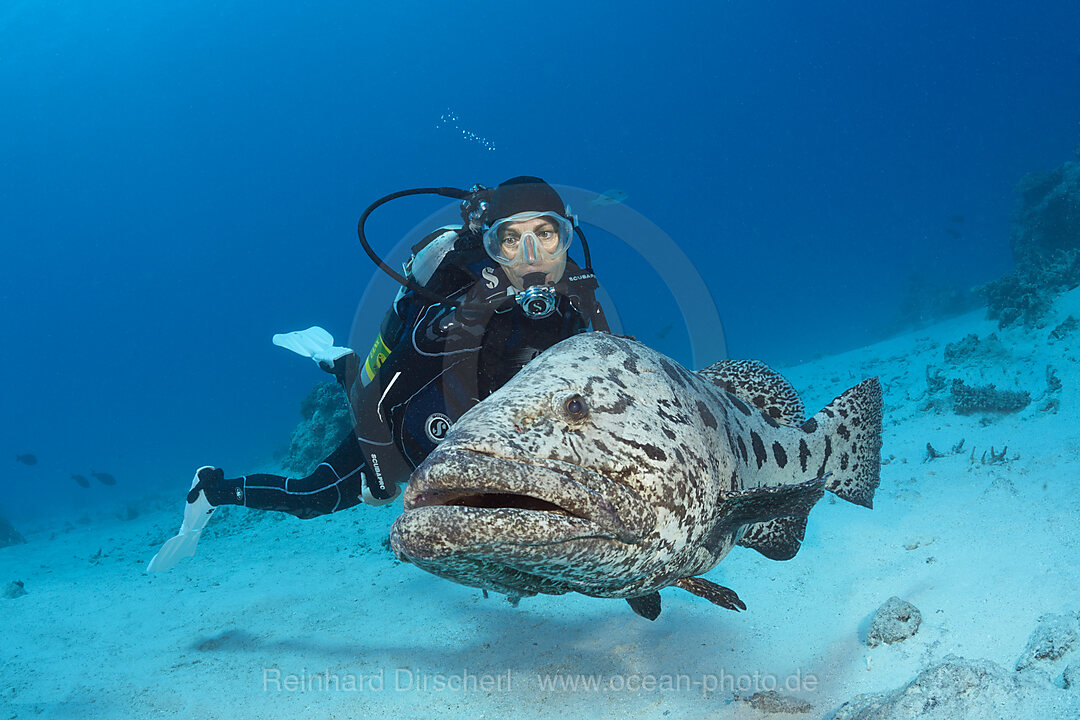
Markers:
450,119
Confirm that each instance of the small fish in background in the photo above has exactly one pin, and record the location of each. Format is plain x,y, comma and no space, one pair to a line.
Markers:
664,332
83,482
26,459
609,197
105,478
955,228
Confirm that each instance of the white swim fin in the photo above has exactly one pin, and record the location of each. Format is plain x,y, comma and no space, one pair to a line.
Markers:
182,545
314,343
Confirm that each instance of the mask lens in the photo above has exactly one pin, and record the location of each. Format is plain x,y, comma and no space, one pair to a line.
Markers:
528,238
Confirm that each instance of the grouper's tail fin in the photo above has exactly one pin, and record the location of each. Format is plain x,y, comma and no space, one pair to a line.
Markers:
851,459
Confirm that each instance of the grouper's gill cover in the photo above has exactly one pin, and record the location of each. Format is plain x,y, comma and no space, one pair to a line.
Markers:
606,468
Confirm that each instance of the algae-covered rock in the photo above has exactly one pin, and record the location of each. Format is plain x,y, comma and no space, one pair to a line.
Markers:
773,703
894,621
1053,638
8,534
971,399
955,689
14,589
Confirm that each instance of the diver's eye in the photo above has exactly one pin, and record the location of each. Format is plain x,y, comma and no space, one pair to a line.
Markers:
575,408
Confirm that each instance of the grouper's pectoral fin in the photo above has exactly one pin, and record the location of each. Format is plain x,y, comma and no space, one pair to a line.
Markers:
647,606
716,594
771,520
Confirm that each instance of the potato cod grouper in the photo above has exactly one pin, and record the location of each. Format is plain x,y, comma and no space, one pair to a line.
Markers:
606,468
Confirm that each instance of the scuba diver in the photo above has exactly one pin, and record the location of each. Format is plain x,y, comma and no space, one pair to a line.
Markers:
478,302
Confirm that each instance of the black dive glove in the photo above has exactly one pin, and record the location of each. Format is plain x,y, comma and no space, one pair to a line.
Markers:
445,328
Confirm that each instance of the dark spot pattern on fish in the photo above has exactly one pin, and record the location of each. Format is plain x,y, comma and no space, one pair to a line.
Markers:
760,455
742,449
804,454
673,404
614,377
672,373
843,431
828,454
621,403
739,405
706,415
779,454
651,450
722,407
678,419
809,426
592,380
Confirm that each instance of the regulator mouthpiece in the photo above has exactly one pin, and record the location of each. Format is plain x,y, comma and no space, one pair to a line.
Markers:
538,299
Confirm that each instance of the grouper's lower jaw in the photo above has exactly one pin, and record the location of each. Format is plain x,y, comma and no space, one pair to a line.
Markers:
510,550
461,477
435,531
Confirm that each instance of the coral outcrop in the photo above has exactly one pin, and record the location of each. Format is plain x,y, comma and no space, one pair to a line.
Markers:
1045,243
326,419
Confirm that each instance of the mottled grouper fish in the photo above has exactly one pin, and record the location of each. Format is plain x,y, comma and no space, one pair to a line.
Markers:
606,468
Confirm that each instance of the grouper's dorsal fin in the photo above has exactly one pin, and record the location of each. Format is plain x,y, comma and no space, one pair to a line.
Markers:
758,385
647,606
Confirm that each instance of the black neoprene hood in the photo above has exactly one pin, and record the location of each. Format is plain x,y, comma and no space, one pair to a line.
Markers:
524,193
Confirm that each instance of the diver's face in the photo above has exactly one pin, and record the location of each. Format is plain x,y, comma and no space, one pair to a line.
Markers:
533,240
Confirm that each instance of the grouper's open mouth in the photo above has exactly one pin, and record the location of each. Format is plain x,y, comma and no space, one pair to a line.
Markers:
459,498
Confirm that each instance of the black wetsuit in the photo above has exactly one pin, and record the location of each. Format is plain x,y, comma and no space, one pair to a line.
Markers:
442,361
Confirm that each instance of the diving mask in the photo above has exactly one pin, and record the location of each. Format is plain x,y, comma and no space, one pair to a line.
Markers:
528,238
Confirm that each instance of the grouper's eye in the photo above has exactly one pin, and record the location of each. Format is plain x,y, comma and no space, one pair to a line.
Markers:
575,408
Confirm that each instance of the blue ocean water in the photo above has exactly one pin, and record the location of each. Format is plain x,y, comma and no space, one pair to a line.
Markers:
179,181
